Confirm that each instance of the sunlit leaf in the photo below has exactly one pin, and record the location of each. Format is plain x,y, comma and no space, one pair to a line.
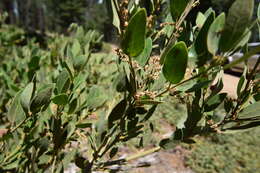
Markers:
26,96
214,33
175,63
144,56
252,110
134,38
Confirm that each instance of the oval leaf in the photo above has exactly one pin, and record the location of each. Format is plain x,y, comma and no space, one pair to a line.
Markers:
117,112
239,16
214,33
15,113
177,7
201,41
26,96
175,63
144,56
41,99
134,38
252,110
76,48
214,101
61,99
63,81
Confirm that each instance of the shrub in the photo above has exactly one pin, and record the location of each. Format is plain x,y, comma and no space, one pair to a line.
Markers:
60,97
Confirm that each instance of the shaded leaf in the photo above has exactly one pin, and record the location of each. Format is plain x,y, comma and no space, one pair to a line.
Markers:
113,152
117,112
61,99
73,106
199,85
237,21
42,98
177,7
201,41
214,101
149,113
170,143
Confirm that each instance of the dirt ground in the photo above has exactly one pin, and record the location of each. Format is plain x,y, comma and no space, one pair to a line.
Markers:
230,85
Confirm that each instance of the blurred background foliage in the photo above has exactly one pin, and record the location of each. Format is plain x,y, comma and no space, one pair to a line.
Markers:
57,15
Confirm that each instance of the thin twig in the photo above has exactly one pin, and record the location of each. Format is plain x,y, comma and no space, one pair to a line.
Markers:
173,37
142,154
53,164
19,125
183,82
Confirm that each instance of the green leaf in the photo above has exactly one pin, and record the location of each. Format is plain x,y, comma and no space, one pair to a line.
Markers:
61,99
149,114
252,110
15,113
113,152
73,106
214,33
175,63
201,41
96,97
34,62
214,101
113,14
200,19
239,16
117,112
243,40
217,87
76,48
79,61
63,81
177,7
144,56
243,127
242,82
26,96
41,99
134,37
